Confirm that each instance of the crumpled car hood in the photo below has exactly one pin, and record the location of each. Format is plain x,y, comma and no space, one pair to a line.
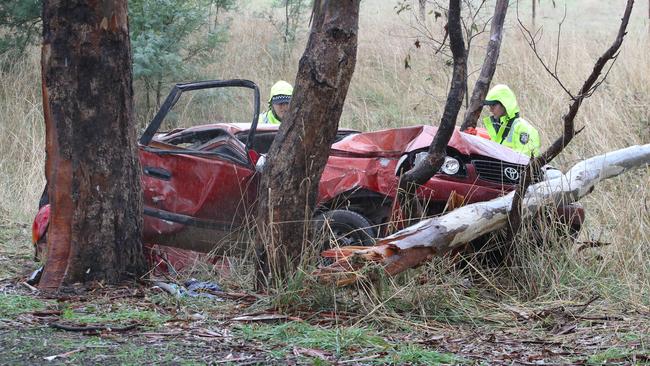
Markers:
396,141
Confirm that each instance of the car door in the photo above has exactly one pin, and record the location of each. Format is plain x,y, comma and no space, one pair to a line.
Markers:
198,182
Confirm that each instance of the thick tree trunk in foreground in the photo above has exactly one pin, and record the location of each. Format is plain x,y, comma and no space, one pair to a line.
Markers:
489,66
300,150
421,173
436,236
92,166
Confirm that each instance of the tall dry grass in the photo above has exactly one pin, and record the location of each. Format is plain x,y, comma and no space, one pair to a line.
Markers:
385,94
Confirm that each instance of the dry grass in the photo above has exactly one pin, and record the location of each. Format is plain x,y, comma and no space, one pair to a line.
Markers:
384,94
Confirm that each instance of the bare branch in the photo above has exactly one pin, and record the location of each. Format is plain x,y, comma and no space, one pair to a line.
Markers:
588,88
559,35
489,66
532,43
569,129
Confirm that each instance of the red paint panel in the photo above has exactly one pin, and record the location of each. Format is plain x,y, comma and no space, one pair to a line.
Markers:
201,187
397,141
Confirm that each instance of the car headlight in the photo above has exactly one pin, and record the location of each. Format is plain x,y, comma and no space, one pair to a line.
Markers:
450,166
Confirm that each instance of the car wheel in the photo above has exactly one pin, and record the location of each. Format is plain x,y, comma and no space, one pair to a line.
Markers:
343,228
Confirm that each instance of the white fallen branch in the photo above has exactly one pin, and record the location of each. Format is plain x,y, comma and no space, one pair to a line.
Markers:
435,236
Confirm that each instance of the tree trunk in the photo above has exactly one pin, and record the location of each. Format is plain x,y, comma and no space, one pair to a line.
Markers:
437,151
489,66
439,235
93,169
296,160
534,11
158,92
423,9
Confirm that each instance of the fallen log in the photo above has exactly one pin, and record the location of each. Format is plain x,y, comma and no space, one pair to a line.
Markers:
436,236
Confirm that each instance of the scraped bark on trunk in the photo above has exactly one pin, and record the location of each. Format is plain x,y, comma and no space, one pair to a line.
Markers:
436,236
489,66
92,167
300,150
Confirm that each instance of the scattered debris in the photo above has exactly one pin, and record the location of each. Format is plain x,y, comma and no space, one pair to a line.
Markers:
35,277
192,288
197,288
64,355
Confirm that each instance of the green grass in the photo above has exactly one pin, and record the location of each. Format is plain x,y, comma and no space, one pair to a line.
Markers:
617,355
337,340
411,354
344,343
114,314
32,345
13,305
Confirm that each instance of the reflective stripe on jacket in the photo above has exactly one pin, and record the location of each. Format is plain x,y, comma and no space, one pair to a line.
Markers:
268,117
521,137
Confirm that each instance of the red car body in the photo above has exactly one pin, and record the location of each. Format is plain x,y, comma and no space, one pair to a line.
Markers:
200,183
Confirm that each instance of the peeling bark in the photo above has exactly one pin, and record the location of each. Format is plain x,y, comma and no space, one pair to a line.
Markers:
436,236
300,150
92,166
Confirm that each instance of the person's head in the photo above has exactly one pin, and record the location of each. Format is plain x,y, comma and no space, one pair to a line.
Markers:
279,99
502,102
496,108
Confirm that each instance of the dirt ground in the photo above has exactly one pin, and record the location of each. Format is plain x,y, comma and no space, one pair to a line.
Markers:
141,324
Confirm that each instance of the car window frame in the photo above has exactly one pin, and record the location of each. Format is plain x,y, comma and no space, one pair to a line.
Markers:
172,99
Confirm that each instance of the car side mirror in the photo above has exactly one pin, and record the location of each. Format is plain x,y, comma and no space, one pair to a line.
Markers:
259,164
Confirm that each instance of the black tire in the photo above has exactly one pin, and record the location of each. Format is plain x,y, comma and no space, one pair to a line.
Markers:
345,227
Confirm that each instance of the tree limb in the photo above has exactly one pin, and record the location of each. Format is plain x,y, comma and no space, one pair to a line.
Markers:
489,66
439,235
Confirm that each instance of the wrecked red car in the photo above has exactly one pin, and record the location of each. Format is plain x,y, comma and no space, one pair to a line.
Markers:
200,173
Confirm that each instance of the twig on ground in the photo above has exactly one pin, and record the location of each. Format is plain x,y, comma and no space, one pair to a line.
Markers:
591,244
249,360
30,287
94,328
65,354
585,305
359,359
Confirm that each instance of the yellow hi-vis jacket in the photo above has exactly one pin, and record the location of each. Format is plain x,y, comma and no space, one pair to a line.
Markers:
268,117
511,130
279,88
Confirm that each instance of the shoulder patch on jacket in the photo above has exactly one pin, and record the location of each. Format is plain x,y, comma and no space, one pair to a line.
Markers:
523,138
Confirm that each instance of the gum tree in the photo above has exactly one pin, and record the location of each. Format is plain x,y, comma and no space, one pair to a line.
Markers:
92,165
300,150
